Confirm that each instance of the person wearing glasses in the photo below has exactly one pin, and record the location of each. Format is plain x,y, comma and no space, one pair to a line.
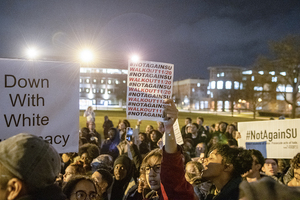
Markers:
81,188
164,168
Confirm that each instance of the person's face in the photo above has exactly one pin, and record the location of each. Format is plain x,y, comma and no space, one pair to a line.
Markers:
141,137
111,134
213,166
254,168
100,183
85,159
153,136
187,146
230,129
192,129
70,171
190,168
215,140
122,126
161,128
186,121
84,186
270,167
142,183
91,126
222,127
297,175
120,172
199,121
201,158
217,127
149,129
153,175
201,147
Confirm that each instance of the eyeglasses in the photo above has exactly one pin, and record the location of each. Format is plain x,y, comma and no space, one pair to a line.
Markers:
156,169
81,195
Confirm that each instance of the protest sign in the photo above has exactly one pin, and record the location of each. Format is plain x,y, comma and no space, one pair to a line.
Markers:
40,98
274,138
148,84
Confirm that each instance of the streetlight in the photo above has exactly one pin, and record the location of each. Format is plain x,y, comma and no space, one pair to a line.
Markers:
31,53
86,56
135,58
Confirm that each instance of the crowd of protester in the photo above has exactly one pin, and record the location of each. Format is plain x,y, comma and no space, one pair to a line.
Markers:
209,165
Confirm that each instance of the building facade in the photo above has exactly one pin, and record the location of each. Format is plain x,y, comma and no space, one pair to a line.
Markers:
191,94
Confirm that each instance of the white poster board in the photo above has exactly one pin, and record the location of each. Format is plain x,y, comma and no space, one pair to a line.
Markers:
274,138
148,84
177,133
40,98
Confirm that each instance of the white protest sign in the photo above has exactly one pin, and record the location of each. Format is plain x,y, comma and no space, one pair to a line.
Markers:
40,98
148,84
274,138
177,133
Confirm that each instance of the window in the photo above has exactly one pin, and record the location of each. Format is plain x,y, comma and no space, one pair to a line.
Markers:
102,91
124,81
87,90
279,97
198,84
252,78
236,85
109,91
102,81
283,73
280,88
274,79
220,85
289,88
258,88
193,89
95,80
295,80
80,89
272,73
80,80
108,81
211,95
247,72
213,85
244,78
94,90
241,86
222,74
261,72
87,80
228,85
218,75
117,82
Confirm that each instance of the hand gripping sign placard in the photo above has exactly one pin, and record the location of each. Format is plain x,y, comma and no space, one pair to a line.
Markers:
40,98
148,84
274,138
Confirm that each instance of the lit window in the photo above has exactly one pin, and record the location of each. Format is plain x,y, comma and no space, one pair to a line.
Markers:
108,91
247,72
222,74
252,78
236,85
124,71
274,79
87,90
289,88
80,89
283,73
272,73
244,78
258,88
193,89
279,97
95,80
87,80
280,88
109,81
94,90
261,72
218,75
198,84
211,95
124,81
295,80
102,91
220,85
208,92
228,85
241,86
117,82
102,81
213,84
299,88
80,80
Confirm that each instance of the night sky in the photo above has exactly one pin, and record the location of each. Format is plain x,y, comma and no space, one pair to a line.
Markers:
192,35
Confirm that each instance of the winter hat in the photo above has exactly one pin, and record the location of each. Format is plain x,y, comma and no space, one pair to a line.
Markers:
123,160
31,159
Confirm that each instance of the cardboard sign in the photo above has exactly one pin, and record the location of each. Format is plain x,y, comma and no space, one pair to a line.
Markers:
40,98
274,138
148,84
